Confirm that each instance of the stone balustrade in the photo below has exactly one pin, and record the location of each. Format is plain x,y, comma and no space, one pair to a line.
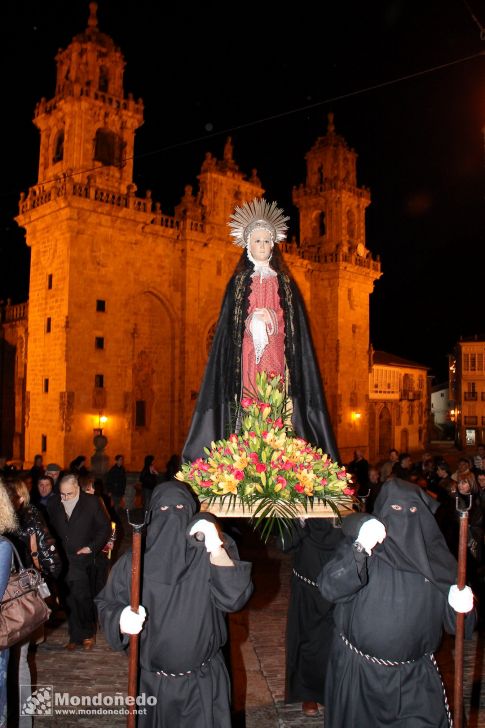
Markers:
14,312
65,187
70,89
330,185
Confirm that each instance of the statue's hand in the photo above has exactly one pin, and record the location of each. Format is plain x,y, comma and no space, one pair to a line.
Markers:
263,314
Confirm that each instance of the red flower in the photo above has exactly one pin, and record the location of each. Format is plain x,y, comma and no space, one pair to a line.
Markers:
264,434
324,481
342,475
246,402
252,434
260,467
253,456
206,483
238,474
278,422
233,438
281,481
348,491
299,488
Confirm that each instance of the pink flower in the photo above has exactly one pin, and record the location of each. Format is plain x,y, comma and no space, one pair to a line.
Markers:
246,402
260,467
278,422
299,488
206,483
324,481
348,491
253,456
281,481
238,474
264,434
262,405
342,475
203,466
252,434
233,438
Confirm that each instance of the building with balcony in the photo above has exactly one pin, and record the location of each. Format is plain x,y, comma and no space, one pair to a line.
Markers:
467,391
398,404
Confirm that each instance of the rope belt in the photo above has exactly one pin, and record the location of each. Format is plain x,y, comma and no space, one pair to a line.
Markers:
180,674
396,663
305,579
379,660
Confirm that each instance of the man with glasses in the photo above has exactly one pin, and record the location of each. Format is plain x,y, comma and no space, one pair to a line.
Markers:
83,528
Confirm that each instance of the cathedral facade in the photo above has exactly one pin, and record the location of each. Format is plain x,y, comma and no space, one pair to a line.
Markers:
124,298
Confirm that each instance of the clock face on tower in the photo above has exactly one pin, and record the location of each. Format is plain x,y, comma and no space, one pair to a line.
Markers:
360,249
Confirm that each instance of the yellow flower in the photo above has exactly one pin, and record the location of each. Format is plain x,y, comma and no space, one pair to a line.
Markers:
229,484
265,413
241,462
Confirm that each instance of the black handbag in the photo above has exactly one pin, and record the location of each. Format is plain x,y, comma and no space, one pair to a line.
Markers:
22,609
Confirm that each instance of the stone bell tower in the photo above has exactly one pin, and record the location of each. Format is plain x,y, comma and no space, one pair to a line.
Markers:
89,127
72,216
332,236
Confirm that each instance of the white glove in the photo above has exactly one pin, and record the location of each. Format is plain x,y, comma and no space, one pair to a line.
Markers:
212,540
371,532
131,622
461,600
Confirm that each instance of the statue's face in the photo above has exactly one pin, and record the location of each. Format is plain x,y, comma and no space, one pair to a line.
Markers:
260,245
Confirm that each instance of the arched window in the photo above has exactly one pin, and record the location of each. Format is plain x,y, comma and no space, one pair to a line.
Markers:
321,224
58,147
350,225
108,148
103,83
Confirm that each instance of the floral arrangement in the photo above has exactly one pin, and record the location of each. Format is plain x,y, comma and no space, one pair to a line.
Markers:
266,467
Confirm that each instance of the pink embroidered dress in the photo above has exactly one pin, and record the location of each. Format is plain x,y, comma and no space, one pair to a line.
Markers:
263,347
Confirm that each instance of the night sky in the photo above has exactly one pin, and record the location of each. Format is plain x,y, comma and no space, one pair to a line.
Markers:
268,77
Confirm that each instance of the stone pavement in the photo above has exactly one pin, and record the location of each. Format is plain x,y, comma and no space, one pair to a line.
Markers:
257,656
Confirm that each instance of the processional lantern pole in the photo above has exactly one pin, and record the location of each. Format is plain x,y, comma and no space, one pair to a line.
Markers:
134,604
460,616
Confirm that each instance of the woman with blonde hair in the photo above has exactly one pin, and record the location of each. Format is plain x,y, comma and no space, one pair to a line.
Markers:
8,522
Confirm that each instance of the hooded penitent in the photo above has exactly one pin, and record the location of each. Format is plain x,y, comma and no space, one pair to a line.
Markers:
185,597
169,554
413,542
390,611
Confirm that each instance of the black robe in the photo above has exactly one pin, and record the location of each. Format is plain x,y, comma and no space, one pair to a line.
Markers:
310,624
220,392
186,598
392,606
